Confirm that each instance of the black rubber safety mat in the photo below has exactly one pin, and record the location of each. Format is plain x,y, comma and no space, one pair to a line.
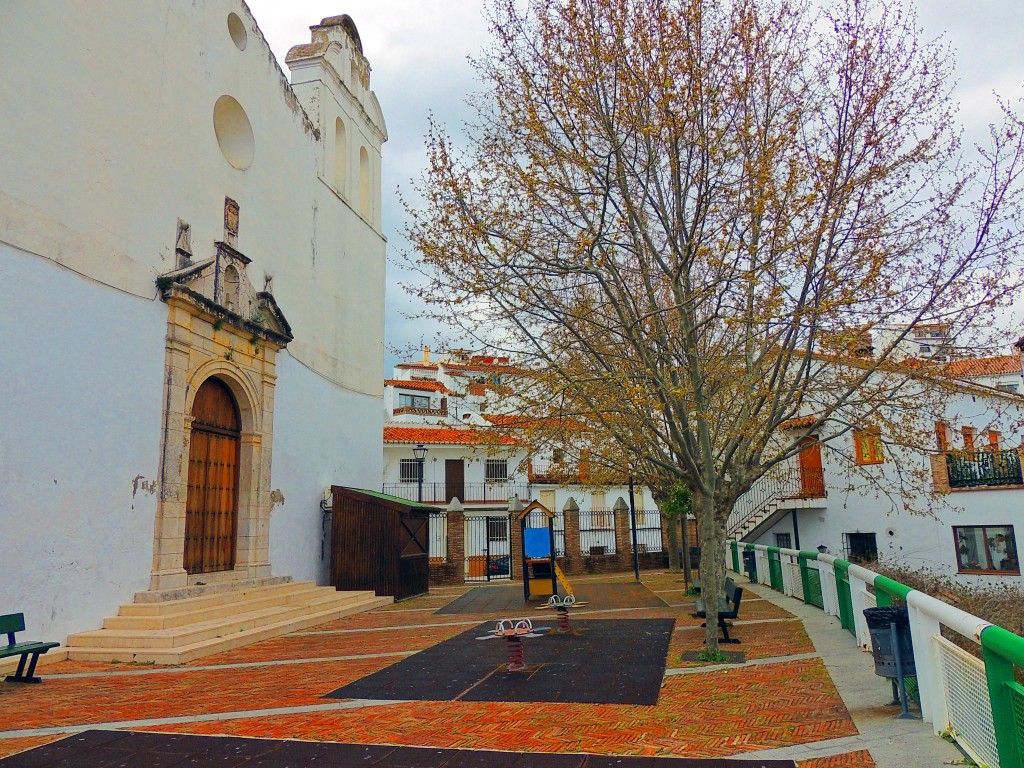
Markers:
92,749
508,599
603,661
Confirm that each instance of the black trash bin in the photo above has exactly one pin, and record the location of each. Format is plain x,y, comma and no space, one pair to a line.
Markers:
750,565
879,621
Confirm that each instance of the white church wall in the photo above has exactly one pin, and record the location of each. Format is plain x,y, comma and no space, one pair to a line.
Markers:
312,451
80,380
108,139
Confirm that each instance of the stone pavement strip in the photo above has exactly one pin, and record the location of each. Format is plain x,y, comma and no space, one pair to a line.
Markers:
781,699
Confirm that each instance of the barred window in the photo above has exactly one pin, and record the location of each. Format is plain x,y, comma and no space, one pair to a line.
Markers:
408,470
497,470
497,528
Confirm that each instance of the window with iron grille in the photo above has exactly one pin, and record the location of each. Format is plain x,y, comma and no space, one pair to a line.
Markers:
861,547
408,470
783,541
497,528
496,470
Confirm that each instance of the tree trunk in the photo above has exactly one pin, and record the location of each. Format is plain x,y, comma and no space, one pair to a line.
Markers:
712,565
673,544
687,572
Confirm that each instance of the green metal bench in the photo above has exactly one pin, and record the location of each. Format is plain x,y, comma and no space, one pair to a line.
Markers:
728,608
15,622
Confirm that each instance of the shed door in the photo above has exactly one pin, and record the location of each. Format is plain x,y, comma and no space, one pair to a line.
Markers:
211,509
454,480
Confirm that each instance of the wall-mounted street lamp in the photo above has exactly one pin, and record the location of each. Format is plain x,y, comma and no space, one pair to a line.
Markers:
420,452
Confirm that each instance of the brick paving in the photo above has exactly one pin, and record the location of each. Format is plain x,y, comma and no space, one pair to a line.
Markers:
764,640
710,713
858,759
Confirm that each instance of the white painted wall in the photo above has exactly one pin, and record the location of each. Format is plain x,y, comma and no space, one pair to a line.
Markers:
112,141
922,538
80,407
107,139
314,448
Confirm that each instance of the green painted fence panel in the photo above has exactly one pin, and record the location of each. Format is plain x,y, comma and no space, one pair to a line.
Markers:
775,568
845,600
812,586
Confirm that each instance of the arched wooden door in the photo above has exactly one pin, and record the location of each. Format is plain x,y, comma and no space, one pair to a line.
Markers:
211,509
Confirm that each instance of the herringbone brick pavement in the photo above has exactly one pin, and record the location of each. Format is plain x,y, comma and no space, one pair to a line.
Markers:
62,702
759,641
701,715
860,759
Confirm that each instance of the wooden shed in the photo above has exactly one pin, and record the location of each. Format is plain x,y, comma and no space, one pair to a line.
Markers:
379,542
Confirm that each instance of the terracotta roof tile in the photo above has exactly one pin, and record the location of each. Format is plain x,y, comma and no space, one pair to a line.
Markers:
442,436
984,366
550,422
799,422
420,384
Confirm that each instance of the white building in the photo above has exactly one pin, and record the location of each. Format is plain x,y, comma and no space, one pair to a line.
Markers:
924,341
855,497
192,272
443,405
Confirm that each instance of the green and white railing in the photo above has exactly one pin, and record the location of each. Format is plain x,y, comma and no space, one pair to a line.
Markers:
978,700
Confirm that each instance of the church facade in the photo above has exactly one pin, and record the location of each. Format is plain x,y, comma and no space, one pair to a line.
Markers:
192,275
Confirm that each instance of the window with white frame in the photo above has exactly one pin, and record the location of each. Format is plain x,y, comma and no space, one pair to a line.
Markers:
496,470
408,470
986,549
413,401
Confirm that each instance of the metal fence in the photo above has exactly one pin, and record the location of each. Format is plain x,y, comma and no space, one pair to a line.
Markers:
974,696
648,531
968,469
438,536
597,532
469,493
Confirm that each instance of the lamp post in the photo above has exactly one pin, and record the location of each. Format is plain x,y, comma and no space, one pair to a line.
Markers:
632,524
420,452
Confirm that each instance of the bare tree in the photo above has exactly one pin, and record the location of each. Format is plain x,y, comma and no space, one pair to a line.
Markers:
684,216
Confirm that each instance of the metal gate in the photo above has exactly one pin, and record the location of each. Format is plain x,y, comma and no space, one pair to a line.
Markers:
488,547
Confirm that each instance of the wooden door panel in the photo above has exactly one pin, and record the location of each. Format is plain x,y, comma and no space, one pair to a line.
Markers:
211,507
454,480
812,476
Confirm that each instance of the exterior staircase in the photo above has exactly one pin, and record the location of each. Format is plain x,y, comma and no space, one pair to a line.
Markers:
175,629
771,497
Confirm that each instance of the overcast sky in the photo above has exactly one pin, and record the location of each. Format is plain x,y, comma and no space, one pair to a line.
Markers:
418,49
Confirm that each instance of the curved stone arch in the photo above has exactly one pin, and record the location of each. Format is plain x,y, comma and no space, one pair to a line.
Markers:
195,354
246,394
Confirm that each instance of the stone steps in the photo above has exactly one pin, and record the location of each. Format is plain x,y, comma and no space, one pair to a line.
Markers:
182,630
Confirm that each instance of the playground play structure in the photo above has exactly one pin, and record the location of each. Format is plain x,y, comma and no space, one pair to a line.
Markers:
513,631
541,578
541,574
562,606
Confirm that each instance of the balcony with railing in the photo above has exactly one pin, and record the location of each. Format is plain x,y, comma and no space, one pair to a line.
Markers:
410,410
981,469
467,493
